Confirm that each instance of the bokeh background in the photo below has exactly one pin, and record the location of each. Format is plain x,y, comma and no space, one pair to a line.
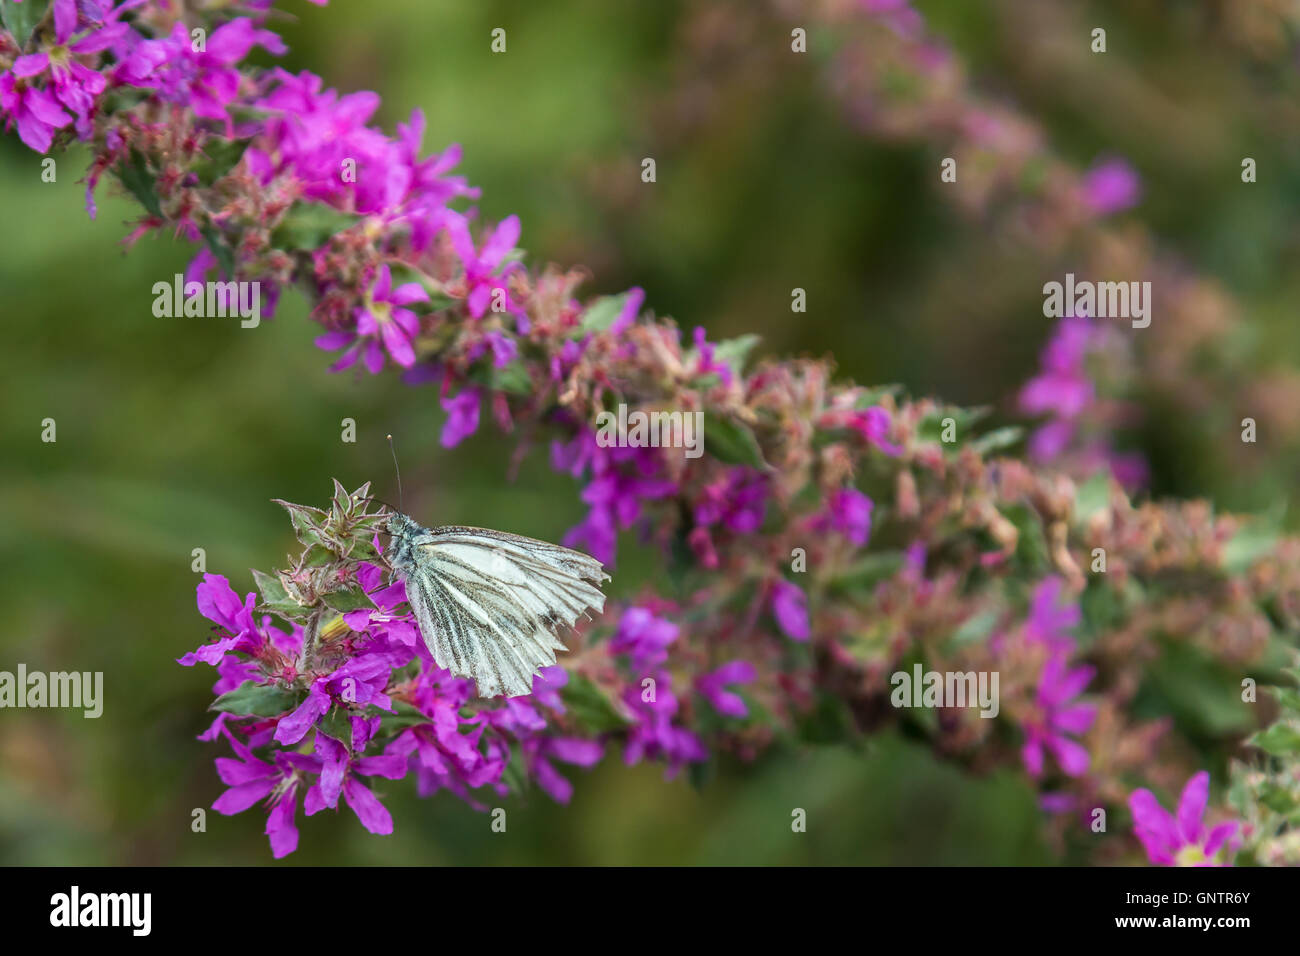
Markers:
175,434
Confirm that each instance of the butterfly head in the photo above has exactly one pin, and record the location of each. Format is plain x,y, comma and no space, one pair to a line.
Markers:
402,530
399,525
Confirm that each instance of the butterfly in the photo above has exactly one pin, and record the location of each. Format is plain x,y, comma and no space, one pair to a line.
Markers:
490,604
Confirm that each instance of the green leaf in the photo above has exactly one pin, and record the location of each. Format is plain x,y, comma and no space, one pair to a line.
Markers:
348,599
998,439
1031,542
1092,496
271,588
220,157
515,774
732,442
275,597
735,351
20,19
309,226
337,725
404,715
135,176
602,312
871,397
513,378
931,427
1253,540
1278,740
866,572
591,706
1287,697
256,700
306,520
975,628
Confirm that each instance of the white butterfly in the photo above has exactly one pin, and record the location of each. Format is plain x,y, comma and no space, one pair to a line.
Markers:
490,604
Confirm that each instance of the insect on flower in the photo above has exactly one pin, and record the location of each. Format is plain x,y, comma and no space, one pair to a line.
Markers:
490,604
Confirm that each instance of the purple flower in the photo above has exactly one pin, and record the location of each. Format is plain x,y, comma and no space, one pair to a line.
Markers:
381,319
204,81
250,780
36,113
361,680
481,267
711,686
738,501
1182,839
74,85
707,363
790,607
539,751
1063,386
338,770
1050,618
220,604
849,512
654,735
874,424
644,637
1111,186
462,417
1057,717
622,478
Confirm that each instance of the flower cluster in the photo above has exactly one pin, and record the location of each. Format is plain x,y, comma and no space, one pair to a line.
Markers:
827,535
323,679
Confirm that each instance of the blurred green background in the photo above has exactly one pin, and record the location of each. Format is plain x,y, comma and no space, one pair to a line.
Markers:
175,434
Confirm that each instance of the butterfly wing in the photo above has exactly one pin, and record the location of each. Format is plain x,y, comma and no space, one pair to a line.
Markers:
490,605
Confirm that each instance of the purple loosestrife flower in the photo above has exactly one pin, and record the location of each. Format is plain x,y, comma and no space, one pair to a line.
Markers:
707,363
790,608
1050,617
481,268
360,680
872,424
1062,389
382,318
1057,717
738,501
74,85
643,637
540,751
205,81
338,771
430,188
445,752
35,112
462,416
320,135
622,478
712,687
1182,839
654,735
220,604
1111,186
249,780
848,512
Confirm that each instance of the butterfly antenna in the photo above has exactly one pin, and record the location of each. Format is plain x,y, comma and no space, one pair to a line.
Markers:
393,449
